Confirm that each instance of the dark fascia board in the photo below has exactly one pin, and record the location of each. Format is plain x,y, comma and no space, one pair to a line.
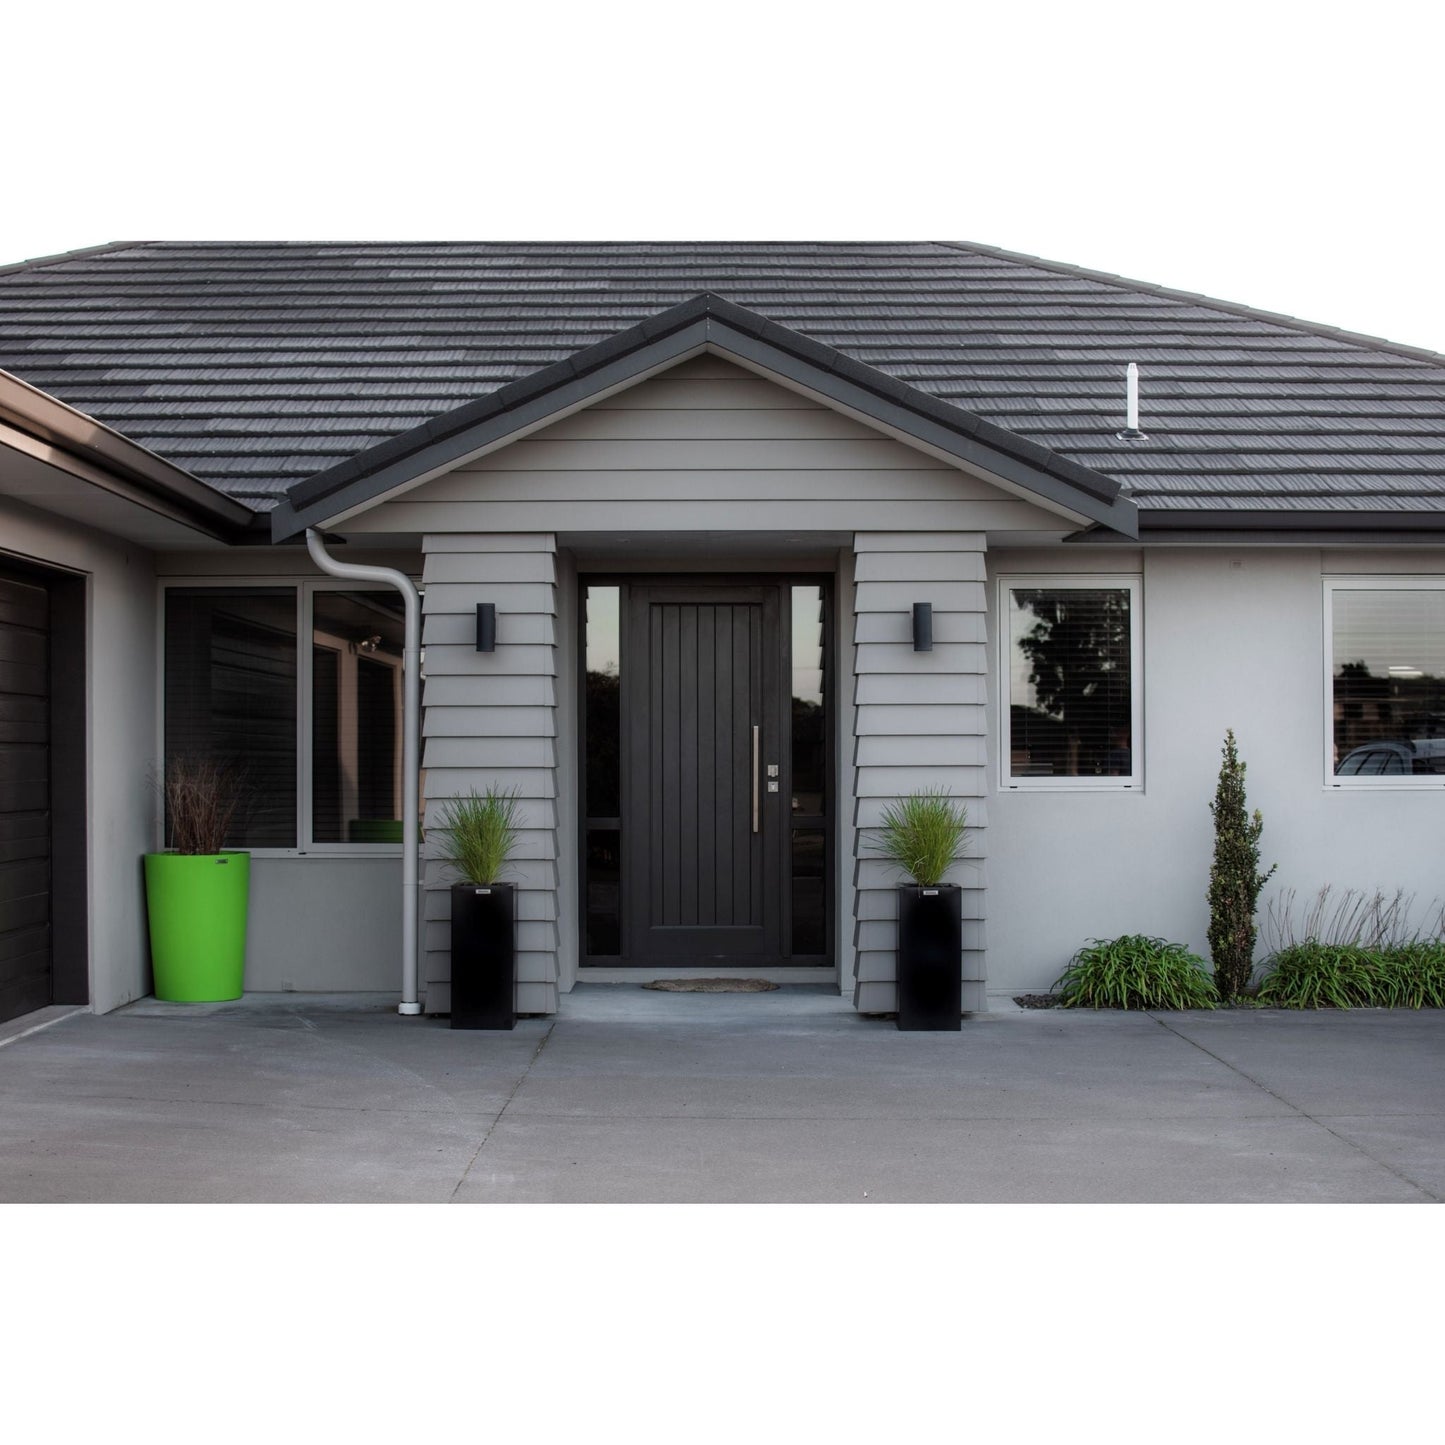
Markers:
1263,520
1292,528
705,321
49,420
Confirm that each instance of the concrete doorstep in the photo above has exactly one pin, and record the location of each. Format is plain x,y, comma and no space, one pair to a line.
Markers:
629,1095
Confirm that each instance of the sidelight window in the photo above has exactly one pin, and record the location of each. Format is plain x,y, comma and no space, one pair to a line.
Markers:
809,774
602,729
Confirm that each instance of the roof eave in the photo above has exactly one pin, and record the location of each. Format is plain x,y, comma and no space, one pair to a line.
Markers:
47,419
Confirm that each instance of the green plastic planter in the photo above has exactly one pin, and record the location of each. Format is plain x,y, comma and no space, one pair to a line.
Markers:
197,908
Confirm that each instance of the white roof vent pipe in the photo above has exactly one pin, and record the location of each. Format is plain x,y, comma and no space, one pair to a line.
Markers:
1131,432
410,749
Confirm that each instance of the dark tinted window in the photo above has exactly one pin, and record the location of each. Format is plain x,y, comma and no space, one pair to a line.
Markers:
356,716
231,697
1388,678
1070,684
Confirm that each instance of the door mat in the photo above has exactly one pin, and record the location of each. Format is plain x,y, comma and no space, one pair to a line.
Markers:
711,985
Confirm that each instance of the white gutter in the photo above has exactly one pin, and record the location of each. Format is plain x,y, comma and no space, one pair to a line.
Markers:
411,749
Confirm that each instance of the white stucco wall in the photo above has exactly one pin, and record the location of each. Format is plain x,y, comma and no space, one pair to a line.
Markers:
324,925
120,741
1233,637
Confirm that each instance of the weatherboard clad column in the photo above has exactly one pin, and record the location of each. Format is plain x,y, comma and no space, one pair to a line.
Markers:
490,721
919,722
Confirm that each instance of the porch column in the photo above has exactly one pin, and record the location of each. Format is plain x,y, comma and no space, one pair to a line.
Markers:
489,719
919,723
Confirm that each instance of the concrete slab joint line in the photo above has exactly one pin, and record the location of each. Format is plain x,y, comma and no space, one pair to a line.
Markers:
1303,1113
491,1128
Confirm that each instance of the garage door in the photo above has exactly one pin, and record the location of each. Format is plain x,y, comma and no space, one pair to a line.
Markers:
25,981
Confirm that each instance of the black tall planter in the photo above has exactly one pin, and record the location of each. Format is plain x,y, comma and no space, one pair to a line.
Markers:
930,957
484,956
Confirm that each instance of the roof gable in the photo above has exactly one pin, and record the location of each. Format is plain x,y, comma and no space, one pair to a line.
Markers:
704,323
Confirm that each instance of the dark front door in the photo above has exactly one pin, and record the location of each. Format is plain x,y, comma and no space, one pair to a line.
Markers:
24,798
702,819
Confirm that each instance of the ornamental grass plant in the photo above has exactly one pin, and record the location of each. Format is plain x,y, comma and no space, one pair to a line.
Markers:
1135,971
1352,975
201,798
1353,949
480,833
1319,975
922,834
1412,975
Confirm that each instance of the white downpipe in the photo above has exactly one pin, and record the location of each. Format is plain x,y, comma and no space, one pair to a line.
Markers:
410,748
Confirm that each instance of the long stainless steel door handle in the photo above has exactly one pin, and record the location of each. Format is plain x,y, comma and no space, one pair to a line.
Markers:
755,777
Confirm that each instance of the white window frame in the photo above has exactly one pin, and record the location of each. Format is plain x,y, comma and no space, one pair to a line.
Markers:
1373,582
1077,582
305,589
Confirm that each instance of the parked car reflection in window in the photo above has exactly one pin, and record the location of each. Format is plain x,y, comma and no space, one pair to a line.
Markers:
1401,759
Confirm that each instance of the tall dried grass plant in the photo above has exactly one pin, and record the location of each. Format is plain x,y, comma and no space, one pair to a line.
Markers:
201,799
1349,918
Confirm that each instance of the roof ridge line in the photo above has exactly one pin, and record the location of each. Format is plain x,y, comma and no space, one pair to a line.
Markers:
1233,308
35,262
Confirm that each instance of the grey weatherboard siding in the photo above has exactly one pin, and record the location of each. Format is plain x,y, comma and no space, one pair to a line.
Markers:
705,446
920,722
490,720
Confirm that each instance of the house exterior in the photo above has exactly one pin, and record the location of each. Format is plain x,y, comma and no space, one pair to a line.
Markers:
703,487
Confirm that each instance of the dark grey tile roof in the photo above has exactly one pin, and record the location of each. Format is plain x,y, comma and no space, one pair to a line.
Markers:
256,365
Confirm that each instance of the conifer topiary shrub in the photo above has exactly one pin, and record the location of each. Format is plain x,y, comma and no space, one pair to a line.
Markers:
1234,878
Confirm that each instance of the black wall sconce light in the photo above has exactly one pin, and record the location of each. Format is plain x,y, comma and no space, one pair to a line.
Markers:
923,627
486,626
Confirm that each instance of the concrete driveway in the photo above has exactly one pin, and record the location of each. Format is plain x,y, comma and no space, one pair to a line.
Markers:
630,1095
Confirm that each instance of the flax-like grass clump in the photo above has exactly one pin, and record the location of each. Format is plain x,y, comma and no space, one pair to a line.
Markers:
922,834
480,833
1135,971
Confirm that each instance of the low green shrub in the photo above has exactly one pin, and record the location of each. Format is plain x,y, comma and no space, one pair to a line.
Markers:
1412,975
1135,972
1319,975
1341,975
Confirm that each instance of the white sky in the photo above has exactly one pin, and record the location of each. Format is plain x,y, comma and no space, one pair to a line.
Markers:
1285,155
